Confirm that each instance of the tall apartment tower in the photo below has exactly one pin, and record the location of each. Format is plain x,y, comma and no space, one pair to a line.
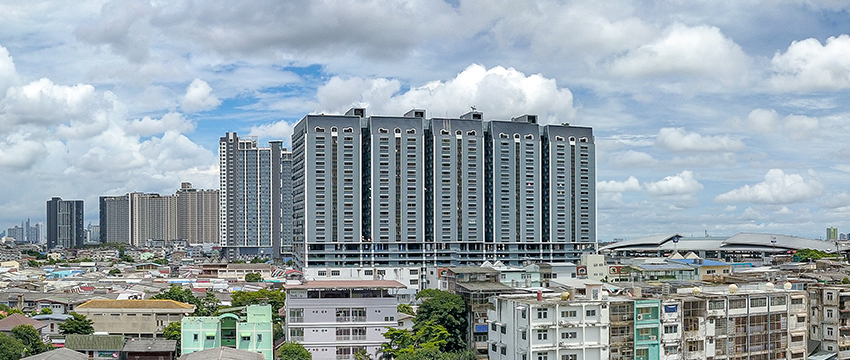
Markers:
197,214
250,197
385,191
152,216
286,203
65,223
115,219
327,181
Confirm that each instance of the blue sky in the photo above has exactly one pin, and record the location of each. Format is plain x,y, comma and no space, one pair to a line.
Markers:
709,116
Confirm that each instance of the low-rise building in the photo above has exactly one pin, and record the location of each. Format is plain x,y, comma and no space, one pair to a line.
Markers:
253,333
136,318
96,346
335,319
559,327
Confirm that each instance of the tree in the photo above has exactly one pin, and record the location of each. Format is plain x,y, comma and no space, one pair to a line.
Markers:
446,309
172,332
10,348
258,260
206,306
401,341
45,311
277,331
78,324
31,339
114,272
253,277
362,354
293,351
275,298
406,309
127,258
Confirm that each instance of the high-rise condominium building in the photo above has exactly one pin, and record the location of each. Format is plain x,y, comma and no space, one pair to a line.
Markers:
65,223
410,191
251,195
197,214
115,219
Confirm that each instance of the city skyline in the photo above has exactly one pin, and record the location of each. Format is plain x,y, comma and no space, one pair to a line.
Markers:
715,118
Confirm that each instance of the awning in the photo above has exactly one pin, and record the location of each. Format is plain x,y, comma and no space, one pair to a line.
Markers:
245,334
211,333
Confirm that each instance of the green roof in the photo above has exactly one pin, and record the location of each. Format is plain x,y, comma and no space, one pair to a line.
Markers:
94,342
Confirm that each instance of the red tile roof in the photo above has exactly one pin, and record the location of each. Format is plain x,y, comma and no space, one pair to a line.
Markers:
9,322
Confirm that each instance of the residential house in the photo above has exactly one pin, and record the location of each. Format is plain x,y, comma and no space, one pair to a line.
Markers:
96,346
58,354
149,349
223,353
13,320
253,333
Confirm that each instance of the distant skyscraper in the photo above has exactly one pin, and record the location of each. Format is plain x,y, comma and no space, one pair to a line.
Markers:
409,191
831,233
65,223
152,216
250,197
286,202
17,232
115,219
197,214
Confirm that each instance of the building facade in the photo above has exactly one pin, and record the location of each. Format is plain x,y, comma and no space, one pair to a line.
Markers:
65,223
137,318
252,333
197,214
115,219
335,319
410,191
250,197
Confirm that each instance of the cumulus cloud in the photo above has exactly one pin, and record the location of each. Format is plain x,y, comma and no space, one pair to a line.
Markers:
700,52
682,183
8,74
801,127
281,130
678,140
199,97
42,102
632,159
763,120
808,65
631,184
148,126
777,188
501,93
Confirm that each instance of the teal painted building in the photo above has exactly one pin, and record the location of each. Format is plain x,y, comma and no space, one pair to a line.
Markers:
253,333
647,329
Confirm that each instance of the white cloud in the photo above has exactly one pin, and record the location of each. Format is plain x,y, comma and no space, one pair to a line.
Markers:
8,74
800,127
632,159
678,140
44,103
693,52
763,120
808,65
148,126
776,189
631,184
281,130
682,183
501,93
199,97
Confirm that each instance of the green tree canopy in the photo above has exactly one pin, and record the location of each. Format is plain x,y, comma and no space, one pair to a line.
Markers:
45,311
401,341
206,306
445,309
274,297
293,351
406,309
10,348
172,332
31,339
253,277
78,324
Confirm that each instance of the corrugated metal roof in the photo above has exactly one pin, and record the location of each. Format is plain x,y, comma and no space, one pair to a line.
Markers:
135,304
94,342
150,345
222,353
58,354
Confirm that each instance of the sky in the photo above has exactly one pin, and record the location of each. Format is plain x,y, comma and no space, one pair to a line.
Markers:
710,116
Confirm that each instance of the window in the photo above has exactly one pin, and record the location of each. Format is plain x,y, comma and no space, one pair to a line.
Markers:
542,313
696,345
569,335
210,337
334,272
322,273
568,313
671,329
542,356
569,357
737,304
671,350
829,331
591,312
259,337
195,337
758,302
797,301
542,334
504,350
368,272
246,338
829,295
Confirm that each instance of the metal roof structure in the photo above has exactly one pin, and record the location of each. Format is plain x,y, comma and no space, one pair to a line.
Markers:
744,242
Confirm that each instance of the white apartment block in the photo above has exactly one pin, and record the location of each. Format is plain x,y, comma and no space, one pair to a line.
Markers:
334,319
550,327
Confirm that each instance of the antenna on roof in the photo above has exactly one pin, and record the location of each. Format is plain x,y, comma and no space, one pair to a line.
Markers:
473,108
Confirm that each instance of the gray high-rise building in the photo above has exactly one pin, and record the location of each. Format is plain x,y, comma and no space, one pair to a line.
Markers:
410,191
250,197
286,202
152,216
65,223
197,214
115,219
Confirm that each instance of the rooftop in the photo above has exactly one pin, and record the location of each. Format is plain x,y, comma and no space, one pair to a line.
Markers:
94,342
150,345
135,304
347,284
9,322
222,353
58,354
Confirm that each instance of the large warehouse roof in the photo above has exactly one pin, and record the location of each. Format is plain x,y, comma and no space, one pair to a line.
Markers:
752,242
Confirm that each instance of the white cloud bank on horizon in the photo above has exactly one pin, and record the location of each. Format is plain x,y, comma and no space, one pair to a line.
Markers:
778,188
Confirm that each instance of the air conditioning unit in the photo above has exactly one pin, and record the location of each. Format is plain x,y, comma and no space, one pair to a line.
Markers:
625,317
562,323
640,316
653,338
